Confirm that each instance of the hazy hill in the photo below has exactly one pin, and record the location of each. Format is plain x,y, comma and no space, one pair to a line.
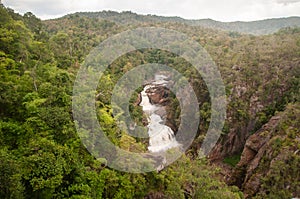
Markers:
261,27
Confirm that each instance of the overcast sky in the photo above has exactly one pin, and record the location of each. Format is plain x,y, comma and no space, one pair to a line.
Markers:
222,10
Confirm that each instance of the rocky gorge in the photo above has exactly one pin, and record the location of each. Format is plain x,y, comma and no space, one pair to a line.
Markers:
266,148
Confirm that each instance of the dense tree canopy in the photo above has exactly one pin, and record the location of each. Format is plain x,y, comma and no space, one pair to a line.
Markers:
41,155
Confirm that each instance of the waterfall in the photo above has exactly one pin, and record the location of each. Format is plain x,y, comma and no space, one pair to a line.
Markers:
148,108
161,137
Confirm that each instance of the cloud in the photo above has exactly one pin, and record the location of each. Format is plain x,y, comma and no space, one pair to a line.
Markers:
222,10
285,2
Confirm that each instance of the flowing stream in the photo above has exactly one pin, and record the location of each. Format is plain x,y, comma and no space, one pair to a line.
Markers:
161,137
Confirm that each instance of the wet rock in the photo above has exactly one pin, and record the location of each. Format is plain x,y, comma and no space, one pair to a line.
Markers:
158,95
138,100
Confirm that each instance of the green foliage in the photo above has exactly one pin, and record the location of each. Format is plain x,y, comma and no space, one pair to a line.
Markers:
236,28
282,181
232,160
10,179
41,155
198,182
281,177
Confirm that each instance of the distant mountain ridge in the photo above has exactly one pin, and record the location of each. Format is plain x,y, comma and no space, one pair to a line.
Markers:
261,27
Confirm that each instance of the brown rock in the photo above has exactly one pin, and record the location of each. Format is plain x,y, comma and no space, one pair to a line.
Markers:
138,100
244,175
158,95
252,187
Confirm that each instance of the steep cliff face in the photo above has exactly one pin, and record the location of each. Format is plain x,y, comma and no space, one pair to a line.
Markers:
242,120
270,162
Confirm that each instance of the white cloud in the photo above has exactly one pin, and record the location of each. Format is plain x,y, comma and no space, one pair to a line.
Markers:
223,10
287,1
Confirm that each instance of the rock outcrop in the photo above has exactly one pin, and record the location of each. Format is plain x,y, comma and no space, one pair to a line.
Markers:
271,151
160,95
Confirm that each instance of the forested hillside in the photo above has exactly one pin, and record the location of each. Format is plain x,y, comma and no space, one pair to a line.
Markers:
262,27
42,156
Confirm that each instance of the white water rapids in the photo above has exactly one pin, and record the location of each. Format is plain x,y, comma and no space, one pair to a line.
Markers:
161,137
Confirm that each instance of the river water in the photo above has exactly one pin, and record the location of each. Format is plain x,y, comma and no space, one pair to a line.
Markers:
161,137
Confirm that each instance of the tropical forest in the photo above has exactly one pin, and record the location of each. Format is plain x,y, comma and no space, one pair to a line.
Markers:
48,151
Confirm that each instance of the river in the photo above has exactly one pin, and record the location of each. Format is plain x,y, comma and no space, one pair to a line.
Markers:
161,137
